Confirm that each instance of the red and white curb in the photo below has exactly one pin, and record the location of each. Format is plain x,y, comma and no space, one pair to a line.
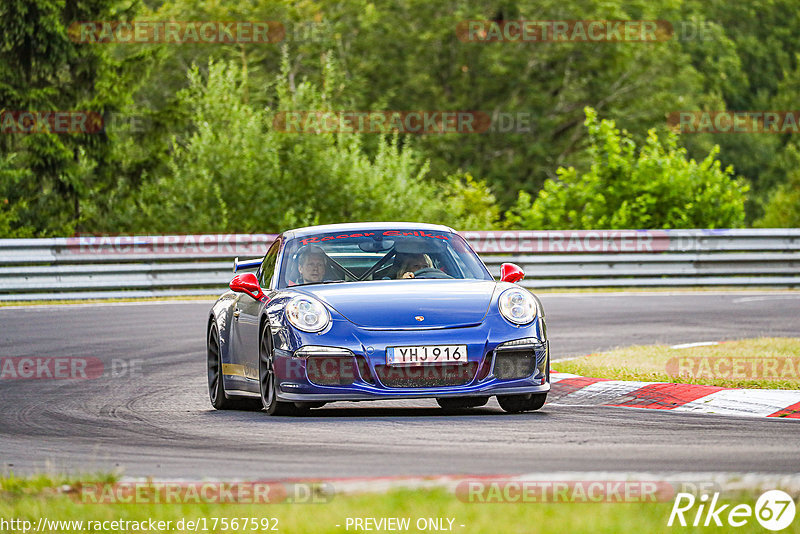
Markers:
569,389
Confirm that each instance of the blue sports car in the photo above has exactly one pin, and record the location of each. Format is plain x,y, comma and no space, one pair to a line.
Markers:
370,311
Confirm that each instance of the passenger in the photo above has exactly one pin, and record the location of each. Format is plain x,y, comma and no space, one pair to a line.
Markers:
412,263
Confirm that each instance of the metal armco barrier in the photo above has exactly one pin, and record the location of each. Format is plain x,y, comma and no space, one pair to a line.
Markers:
140,266
645,258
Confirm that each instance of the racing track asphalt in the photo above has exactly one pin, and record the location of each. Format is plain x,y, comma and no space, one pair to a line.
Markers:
157,419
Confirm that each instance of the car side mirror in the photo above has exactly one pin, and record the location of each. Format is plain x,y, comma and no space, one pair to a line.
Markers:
247,283
510,272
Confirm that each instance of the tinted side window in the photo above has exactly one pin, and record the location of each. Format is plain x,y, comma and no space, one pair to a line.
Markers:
268,267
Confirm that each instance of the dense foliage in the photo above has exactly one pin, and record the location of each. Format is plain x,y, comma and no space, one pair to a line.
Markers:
654,186
234,158
189,144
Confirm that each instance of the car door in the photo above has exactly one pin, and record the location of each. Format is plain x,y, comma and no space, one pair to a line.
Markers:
246,318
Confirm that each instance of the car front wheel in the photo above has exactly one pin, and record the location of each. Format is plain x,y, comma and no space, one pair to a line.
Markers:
268,380
459,403
522,403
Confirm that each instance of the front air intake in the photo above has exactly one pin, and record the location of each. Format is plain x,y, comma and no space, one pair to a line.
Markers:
426,376
518,359
331,370
509,365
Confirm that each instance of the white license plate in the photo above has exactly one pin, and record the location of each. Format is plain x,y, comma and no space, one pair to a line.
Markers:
426,354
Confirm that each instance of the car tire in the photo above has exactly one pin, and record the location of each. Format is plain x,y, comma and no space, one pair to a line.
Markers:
460,403
522,403
268,381
216,386
309,405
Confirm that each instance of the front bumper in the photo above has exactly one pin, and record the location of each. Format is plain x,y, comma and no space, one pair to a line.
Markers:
354,393
367,364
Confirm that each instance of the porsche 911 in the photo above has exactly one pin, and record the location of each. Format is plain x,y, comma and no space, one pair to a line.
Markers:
375,311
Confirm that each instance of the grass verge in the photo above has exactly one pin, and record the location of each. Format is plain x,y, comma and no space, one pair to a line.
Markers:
41,497
765,363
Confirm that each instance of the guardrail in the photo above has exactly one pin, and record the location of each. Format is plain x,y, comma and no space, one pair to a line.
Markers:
140,266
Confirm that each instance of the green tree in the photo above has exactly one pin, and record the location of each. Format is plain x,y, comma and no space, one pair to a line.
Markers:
782,205
782,209
236,172
748,53
393,55
47,178
654,186
406,55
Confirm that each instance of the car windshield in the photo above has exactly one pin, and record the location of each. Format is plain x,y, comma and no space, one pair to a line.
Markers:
378,255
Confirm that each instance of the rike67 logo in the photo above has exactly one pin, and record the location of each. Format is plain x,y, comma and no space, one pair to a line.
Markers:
774,510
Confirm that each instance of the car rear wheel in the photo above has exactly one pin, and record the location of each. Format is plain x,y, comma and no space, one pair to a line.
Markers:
268,380
522,403
216,386
459,403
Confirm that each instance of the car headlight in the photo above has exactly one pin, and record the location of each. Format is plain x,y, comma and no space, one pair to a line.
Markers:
518,306
307,314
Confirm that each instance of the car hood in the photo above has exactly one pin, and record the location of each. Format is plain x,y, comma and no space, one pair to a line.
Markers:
393,304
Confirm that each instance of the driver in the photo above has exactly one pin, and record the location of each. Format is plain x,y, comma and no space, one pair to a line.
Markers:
311,264
412,263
